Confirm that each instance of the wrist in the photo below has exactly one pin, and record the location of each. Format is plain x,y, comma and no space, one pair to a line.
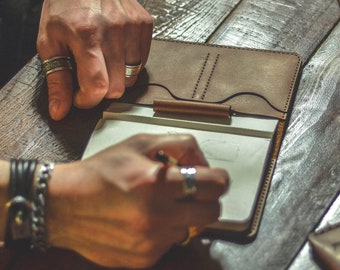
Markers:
61,192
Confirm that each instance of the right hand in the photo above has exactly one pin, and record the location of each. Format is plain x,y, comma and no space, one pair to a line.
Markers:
122,208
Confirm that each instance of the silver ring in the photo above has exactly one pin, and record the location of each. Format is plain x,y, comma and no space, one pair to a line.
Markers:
56,63
189,183
132,71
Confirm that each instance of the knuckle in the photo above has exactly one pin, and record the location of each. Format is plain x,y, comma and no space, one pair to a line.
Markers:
42,42
115,92
99,84
148,20
86,31
141,223
142,138
116,23
86,28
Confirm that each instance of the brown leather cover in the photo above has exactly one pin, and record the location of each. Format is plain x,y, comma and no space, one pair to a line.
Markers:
241,78
245,81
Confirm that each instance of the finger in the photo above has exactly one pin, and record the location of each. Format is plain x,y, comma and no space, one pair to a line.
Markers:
114,52
59,83
132,49
210,183
60,93
182,147
146,37
92,76
138,37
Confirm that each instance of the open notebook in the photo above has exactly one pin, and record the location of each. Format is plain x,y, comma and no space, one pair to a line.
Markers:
238,120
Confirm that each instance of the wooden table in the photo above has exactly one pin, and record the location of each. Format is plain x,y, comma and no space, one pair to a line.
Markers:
306,183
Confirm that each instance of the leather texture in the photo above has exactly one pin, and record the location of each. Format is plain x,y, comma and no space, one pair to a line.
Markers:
247,80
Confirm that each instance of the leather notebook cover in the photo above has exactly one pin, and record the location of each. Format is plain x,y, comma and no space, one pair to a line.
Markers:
249,82
241,98
255,82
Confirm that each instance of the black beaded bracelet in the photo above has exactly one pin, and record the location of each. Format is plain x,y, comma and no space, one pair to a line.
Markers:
18,230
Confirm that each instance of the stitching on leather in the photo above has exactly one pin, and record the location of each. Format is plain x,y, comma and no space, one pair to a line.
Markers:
200,75
251,49
209,78
292,83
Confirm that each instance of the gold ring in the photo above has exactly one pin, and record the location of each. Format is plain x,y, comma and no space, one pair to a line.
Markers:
189,183
132,71
56,63
192,232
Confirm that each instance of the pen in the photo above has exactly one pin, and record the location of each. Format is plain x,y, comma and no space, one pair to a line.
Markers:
166,159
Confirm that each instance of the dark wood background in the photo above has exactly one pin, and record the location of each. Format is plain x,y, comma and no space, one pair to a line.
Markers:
306,181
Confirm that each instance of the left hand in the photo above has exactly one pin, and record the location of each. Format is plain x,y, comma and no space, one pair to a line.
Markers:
102,36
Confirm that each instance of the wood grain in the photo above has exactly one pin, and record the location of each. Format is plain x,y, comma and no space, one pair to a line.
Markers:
304,260
297,26
307,175
189,20
306,178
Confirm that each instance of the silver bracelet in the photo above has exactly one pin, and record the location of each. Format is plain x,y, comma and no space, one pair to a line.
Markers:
40,190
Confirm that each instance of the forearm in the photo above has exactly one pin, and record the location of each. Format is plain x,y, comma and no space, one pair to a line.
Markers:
4,196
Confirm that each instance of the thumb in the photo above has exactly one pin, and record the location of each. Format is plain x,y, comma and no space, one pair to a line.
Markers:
60,93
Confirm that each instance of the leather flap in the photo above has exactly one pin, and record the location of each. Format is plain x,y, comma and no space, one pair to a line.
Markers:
251,81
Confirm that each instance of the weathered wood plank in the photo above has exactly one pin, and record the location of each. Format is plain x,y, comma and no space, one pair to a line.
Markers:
305,261
188,20
298,26
307,175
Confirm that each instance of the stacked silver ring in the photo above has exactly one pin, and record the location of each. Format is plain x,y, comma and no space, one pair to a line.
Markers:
56,64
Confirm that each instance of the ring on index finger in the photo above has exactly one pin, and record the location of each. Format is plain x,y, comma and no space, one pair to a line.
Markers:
56,63
189,183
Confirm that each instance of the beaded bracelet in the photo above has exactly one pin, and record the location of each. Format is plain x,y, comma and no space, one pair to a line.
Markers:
39,231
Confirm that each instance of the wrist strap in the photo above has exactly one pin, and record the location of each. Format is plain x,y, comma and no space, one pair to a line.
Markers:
18,230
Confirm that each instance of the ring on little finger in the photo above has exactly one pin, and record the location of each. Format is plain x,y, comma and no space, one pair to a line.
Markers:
191,233
189,183
56,63
132,71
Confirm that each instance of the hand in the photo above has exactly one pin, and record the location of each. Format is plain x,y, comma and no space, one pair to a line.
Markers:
103,36
121,208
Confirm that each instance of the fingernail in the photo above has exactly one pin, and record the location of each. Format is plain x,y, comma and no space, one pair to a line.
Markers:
54,108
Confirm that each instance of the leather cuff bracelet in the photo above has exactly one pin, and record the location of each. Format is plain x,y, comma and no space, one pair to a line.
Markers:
18,230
